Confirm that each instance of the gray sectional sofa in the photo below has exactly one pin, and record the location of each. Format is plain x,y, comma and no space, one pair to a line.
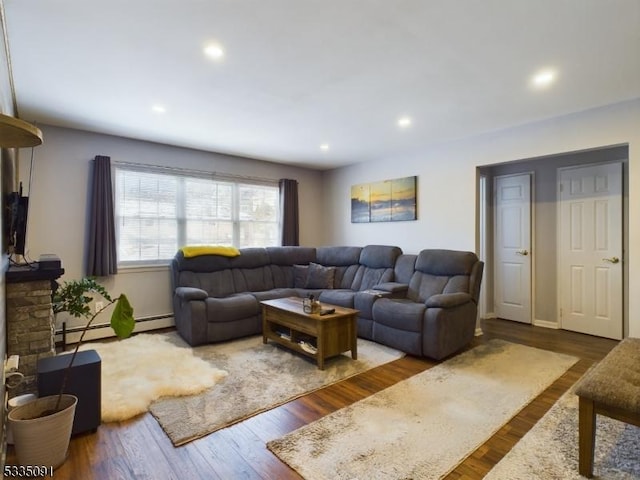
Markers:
424,304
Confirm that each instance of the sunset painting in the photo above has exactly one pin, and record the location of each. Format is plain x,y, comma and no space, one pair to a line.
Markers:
360,203
380,201
385,201
403,199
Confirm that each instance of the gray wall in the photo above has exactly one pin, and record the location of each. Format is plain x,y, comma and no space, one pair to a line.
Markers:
545,232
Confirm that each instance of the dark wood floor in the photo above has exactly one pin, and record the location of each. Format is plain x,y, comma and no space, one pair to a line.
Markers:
139,449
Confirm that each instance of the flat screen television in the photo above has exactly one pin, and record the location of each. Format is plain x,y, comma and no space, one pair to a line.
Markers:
16,210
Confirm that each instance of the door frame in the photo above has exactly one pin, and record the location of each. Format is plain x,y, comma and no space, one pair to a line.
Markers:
623,247
552,161
532,248
483,245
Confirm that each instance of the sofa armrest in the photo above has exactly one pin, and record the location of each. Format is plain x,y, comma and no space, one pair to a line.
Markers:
191,293
448,300
392,287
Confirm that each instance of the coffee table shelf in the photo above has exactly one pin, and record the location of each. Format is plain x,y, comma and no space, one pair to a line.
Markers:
334,333
293,344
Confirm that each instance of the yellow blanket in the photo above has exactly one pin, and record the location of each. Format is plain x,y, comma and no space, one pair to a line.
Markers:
196,250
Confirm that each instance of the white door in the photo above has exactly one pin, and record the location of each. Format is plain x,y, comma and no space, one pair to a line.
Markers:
512,247
590,254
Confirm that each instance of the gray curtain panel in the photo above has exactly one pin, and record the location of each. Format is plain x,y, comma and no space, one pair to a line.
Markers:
102,260
289,212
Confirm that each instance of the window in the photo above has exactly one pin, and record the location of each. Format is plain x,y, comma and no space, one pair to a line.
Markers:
159,211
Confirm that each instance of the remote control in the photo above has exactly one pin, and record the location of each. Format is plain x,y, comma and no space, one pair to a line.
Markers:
327,311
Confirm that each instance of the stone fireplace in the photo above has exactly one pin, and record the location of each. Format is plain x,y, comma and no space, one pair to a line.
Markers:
30,320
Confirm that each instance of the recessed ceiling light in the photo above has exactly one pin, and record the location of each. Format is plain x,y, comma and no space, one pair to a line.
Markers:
158,109
214,51
543,78
324,147
404,122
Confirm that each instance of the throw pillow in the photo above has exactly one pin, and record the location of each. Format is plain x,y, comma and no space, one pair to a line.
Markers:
320,276
300,273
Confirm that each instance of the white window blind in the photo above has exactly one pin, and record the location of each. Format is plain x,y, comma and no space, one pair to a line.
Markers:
157,212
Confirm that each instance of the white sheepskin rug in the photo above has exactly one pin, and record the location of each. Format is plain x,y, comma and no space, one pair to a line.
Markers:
138,370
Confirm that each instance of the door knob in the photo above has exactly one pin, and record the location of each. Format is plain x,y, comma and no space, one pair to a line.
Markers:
522,252
611,260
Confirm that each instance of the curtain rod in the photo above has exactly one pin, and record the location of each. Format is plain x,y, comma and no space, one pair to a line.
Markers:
194,172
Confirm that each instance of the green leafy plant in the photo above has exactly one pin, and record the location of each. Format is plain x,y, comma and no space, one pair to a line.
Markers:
75,297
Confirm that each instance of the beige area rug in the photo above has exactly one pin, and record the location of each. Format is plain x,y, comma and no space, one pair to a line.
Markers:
140,369
260,377
549,451
423,427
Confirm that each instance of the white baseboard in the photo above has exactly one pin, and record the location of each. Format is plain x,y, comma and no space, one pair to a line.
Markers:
478,332
488,315
546,324
142,325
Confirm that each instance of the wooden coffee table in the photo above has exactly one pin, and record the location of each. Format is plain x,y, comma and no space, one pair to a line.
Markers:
334,333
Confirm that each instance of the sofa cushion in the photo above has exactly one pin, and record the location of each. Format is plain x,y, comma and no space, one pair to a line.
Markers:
441,271
379,256
202,263
300,273
393,288
345,276
404,268
215,283
282,276
445,262
252,279
424,285
250,258
319,276
373,265
338,256
229,309
291,255
341,298
367,277
457,284
400,314
275,293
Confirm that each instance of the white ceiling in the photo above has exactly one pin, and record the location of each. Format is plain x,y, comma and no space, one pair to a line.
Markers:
299,73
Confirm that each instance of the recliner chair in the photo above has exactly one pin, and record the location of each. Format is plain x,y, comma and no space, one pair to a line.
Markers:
437,316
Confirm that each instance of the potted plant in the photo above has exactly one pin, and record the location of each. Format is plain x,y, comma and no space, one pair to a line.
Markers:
42,428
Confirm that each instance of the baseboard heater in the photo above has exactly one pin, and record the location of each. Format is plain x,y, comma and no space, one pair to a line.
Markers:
103,330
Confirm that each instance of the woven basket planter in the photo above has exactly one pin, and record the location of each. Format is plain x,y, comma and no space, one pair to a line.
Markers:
43,440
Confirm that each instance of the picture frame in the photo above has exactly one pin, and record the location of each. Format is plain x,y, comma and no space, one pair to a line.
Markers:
392,200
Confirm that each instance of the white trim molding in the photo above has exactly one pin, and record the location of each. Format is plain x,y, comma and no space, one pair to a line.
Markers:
546,324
